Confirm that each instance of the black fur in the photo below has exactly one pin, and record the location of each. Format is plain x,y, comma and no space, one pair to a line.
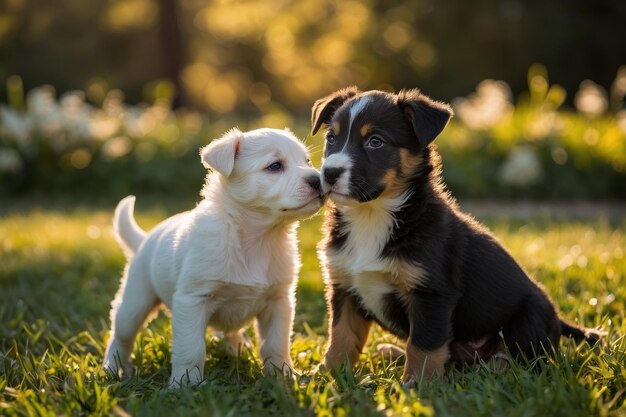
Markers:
427,117
338,231
324,108
474,290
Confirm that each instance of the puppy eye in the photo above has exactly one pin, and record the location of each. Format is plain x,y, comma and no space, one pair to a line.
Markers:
275,166
374,142
308,162
330,138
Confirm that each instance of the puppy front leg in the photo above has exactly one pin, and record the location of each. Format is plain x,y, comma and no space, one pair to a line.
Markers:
189,321
349,328
427,350
274,325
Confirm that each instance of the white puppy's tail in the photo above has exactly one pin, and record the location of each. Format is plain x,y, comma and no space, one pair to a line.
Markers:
126,230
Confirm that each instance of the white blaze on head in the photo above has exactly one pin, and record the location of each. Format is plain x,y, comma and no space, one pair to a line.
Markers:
342,159
356,107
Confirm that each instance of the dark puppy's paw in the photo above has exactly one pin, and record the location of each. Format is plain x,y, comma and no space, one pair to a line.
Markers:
389,350
410,384
595,336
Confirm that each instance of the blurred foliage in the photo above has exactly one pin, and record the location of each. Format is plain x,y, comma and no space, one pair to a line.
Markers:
70,146
253,56
535,149
492,148
201,67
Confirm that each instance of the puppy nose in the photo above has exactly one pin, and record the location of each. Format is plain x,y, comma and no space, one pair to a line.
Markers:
332,174
315,183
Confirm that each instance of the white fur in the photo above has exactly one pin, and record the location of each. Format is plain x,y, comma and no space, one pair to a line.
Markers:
125,229
371,287
341,188
232,259
369,227
356,107
220,153
369,276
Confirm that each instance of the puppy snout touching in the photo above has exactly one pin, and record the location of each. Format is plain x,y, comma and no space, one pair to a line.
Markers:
315,183
331,175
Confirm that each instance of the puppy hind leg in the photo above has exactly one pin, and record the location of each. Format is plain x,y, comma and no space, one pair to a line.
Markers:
134,302
235,341
532,333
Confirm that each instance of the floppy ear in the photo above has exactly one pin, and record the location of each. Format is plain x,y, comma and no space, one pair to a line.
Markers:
427,116
221,153
324,108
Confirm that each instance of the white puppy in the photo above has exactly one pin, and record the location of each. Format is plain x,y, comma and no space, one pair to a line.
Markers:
231,259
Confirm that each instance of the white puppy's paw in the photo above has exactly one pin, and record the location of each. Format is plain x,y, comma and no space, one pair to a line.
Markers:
182,376
118,370
274,367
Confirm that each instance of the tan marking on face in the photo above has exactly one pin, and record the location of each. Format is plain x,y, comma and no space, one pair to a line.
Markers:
336,128
396,184
390,178
422,364
408,162
347,337
366,129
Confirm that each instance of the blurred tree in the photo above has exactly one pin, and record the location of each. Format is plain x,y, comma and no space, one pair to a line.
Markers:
251,55
172,48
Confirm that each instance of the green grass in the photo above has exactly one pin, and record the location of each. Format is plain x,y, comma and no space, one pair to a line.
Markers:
59,269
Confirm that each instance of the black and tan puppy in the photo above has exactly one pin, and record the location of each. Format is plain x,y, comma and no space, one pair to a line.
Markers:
399,252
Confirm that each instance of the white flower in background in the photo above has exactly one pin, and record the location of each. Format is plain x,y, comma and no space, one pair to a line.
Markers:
44,110
522,167
102,126
10,161
113,104
71,121
116,147
15,124
142,120
135,122
591,99
489,105
75,114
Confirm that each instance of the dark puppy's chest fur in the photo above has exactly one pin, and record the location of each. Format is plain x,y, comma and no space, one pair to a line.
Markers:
433,255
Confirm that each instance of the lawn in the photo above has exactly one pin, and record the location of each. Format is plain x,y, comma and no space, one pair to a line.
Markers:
60,267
